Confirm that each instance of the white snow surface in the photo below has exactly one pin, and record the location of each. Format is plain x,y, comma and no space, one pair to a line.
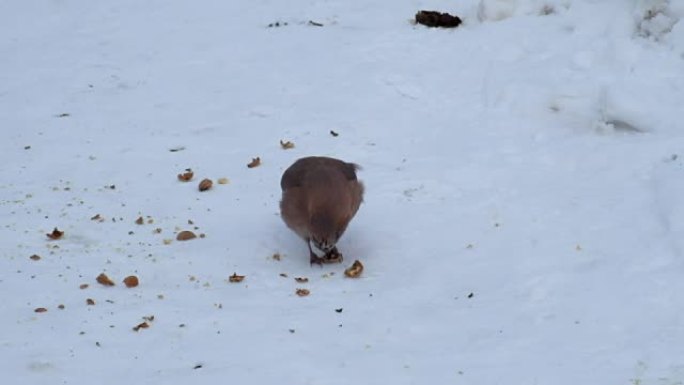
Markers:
524,207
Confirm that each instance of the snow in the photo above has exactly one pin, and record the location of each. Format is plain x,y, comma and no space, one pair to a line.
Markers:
531,157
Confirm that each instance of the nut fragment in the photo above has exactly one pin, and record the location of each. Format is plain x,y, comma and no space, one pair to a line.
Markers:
131,281
223,181
185,235
35,257
55,234
286,145
40,310
355,270
186,176
302,292
236,278
104,280
143,325
205,184
256,162
301,279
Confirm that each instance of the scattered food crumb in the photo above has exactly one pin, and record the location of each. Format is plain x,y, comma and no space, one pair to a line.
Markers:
276,256
103,279
198,366
131,281
35,257
333,133
185,235
223,181
437,19
256,162
143,325
355,270
301,279
186,176
339,310
471,295
168,241
284,275
40,310
236,278
302,292
90,302
205,184
140,221
55,234
60,306
315,24
286,145
83,286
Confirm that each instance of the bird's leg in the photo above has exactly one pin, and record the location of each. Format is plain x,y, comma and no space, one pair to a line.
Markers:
333,255
313,258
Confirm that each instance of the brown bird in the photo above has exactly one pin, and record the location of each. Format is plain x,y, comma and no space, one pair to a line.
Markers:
320,196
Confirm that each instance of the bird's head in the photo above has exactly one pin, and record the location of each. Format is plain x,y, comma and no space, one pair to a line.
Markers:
325,232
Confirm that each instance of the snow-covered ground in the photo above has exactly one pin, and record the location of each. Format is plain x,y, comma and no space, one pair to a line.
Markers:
524,212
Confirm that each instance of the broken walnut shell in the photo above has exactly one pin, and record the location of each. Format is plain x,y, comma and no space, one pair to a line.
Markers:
205,184
185,235
131,281
103,279
55,234
186,176
355,270
236,278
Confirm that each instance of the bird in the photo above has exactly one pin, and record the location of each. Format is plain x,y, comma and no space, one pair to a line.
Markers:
320,196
